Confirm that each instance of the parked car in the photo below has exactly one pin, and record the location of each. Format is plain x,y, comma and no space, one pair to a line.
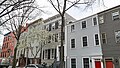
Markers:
34,66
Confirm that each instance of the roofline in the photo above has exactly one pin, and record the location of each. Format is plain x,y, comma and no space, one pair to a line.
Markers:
95,14
46,20
108,9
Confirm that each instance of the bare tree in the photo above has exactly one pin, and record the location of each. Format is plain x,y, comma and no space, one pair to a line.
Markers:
9,6
15,20
62,6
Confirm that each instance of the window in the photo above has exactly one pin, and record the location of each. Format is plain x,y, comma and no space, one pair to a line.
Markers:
46,54
53,26
101,19
84,24
50,25
52,53
47,27
59,26
49,39
84,41
95,21
86,62
56,25
115,15
59,35
72,43
56,37
72,28
117,36
104,38
73,62
96,39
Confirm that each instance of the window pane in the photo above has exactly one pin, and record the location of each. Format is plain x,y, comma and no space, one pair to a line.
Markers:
84,24
73,63
85,41
56,25
101,19
115,15
117,36
86,62
95,21
72,43
72,28
104,38
96,39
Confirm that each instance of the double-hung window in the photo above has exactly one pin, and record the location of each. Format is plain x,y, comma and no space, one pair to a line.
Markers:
84,39
96,39
72,28
83,24
104,38
72,43
73,62
101,19
52,53
95,21
115,15
117,36
86,62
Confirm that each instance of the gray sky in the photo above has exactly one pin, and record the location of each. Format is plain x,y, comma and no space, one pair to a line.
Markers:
77,13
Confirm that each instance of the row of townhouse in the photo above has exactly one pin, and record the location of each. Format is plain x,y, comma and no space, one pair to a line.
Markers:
50,51
94,41
8,45
91,42
9,42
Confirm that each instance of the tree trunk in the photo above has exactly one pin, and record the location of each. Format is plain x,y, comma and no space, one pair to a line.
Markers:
62,40
14,58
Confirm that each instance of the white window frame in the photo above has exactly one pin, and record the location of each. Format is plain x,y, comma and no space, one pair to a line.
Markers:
59,26
83,61
105,38
71,44
93,21
115,14
72,28
95,39
82,25
57,37
46,54
101,19
117,33
53,26
52,54
70,61
82,41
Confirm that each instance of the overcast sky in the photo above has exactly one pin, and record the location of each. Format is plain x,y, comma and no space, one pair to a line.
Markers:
77,13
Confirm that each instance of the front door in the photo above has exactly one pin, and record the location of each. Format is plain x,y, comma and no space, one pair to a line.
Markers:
97,64
109,64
